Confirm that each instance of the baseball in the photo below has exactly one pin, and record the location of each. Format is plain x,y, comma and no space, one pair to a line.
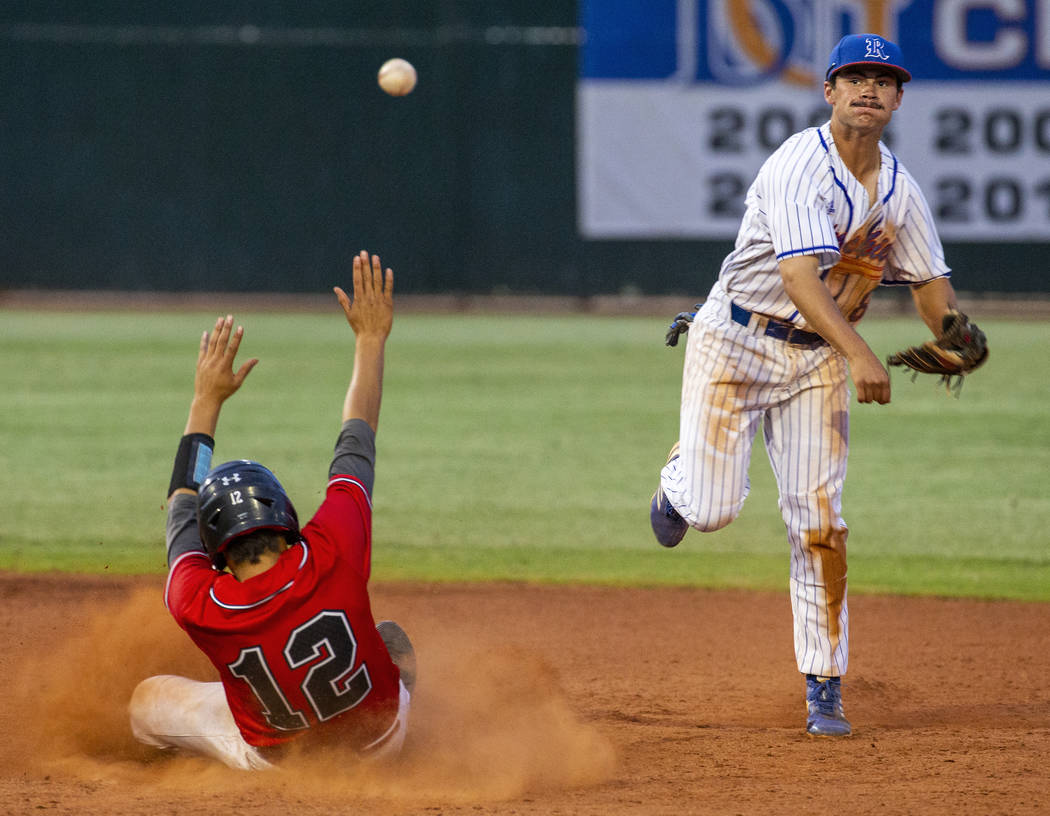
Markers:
397,77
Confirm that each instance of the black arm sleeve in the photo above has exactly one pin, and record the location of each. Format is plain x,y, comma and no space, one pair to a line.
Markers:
182,534
355,453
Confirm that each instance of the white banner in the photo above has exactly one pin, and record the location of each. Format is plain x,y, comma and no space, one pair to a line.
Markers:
680,101
674,161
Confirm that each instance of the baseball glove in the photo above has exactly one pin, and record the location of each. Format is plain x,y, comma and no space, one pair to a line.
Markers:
960,349
679,326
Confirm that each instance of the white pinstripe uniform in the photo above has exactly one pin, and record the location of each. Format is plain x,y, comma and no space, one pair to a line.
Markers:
804,201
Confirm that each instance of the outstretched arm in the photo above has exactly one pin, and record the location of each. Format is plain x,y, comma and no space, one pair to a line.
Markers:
371,315
214,383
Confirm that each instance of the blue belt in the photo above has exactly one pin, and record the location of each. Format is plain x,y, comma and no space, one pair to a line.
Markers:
778,329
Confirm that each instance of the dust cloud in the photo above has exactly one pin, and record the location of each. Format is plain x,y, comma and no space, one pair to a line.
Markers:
486,723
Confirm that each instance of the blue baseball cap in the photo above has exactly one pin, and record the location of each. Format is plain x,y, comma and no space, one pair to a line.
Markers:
866,49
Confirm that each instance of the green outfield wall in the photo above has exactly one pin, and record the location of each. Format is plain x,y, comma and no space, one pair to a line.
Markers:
183,146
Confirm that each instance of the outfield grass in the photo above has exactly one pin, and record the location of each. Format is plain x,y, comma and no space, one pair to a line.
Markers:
522,448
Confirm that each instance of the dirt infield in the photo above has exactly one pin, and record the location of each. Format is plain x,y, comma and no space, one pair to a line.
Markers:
570,700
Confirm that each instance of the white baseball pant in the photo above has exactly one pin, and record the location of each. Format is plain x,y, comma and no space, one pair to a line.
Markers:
168,711
735,378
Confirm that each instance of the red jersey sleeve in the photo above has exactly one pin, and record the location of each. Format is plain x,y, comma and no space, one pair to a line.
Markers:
342,526
189,579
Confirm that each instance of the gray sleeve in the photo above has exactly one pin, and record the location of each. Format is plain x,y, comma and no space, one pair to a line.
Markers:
182,534
355,453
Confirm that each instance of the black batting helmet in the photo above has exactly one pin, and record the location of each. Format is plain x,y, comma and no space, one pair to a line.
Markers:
236,498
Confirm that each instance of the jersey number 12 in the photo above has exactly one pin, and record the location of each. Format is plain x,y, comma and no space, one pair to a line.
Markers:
326,641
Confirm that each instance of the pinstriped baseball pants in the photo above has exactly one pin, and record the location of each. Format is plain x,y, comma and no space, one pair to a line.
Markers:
735,379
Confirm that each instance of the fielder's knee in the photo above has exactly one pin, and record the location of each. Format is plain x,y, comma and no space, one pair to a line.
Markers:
715,520
708,519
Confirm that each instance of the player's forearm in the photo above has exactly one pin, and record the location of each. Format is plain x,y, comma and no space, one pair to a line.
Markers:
192,462
193,458
932,300
365,393
813,300
204,416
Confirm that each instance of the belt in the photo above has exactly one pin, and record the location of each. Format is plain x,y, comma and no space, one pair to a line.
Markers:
777,329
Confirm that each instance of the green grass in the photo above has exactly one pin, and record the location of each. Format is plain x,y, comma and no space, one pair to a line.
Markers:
512,448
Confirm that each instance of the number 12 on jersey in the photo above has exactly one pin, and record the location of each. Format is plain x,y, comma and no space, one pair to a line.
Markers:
327,642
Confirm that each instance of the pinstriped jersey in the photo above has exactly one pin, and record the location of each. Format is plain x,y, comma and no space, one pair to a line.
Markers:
805,201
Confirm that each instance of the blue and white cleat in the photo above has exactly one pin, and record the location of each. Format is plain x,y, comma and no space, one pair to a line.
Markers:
669,527
824,703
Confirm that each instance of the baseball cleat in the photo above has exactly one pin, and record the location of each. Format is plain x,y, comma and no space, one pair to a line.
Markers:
824,703
668,526
401,651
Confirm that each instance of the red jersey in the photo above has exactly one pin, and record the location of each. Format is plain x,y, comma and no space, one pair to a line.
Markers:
296,647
